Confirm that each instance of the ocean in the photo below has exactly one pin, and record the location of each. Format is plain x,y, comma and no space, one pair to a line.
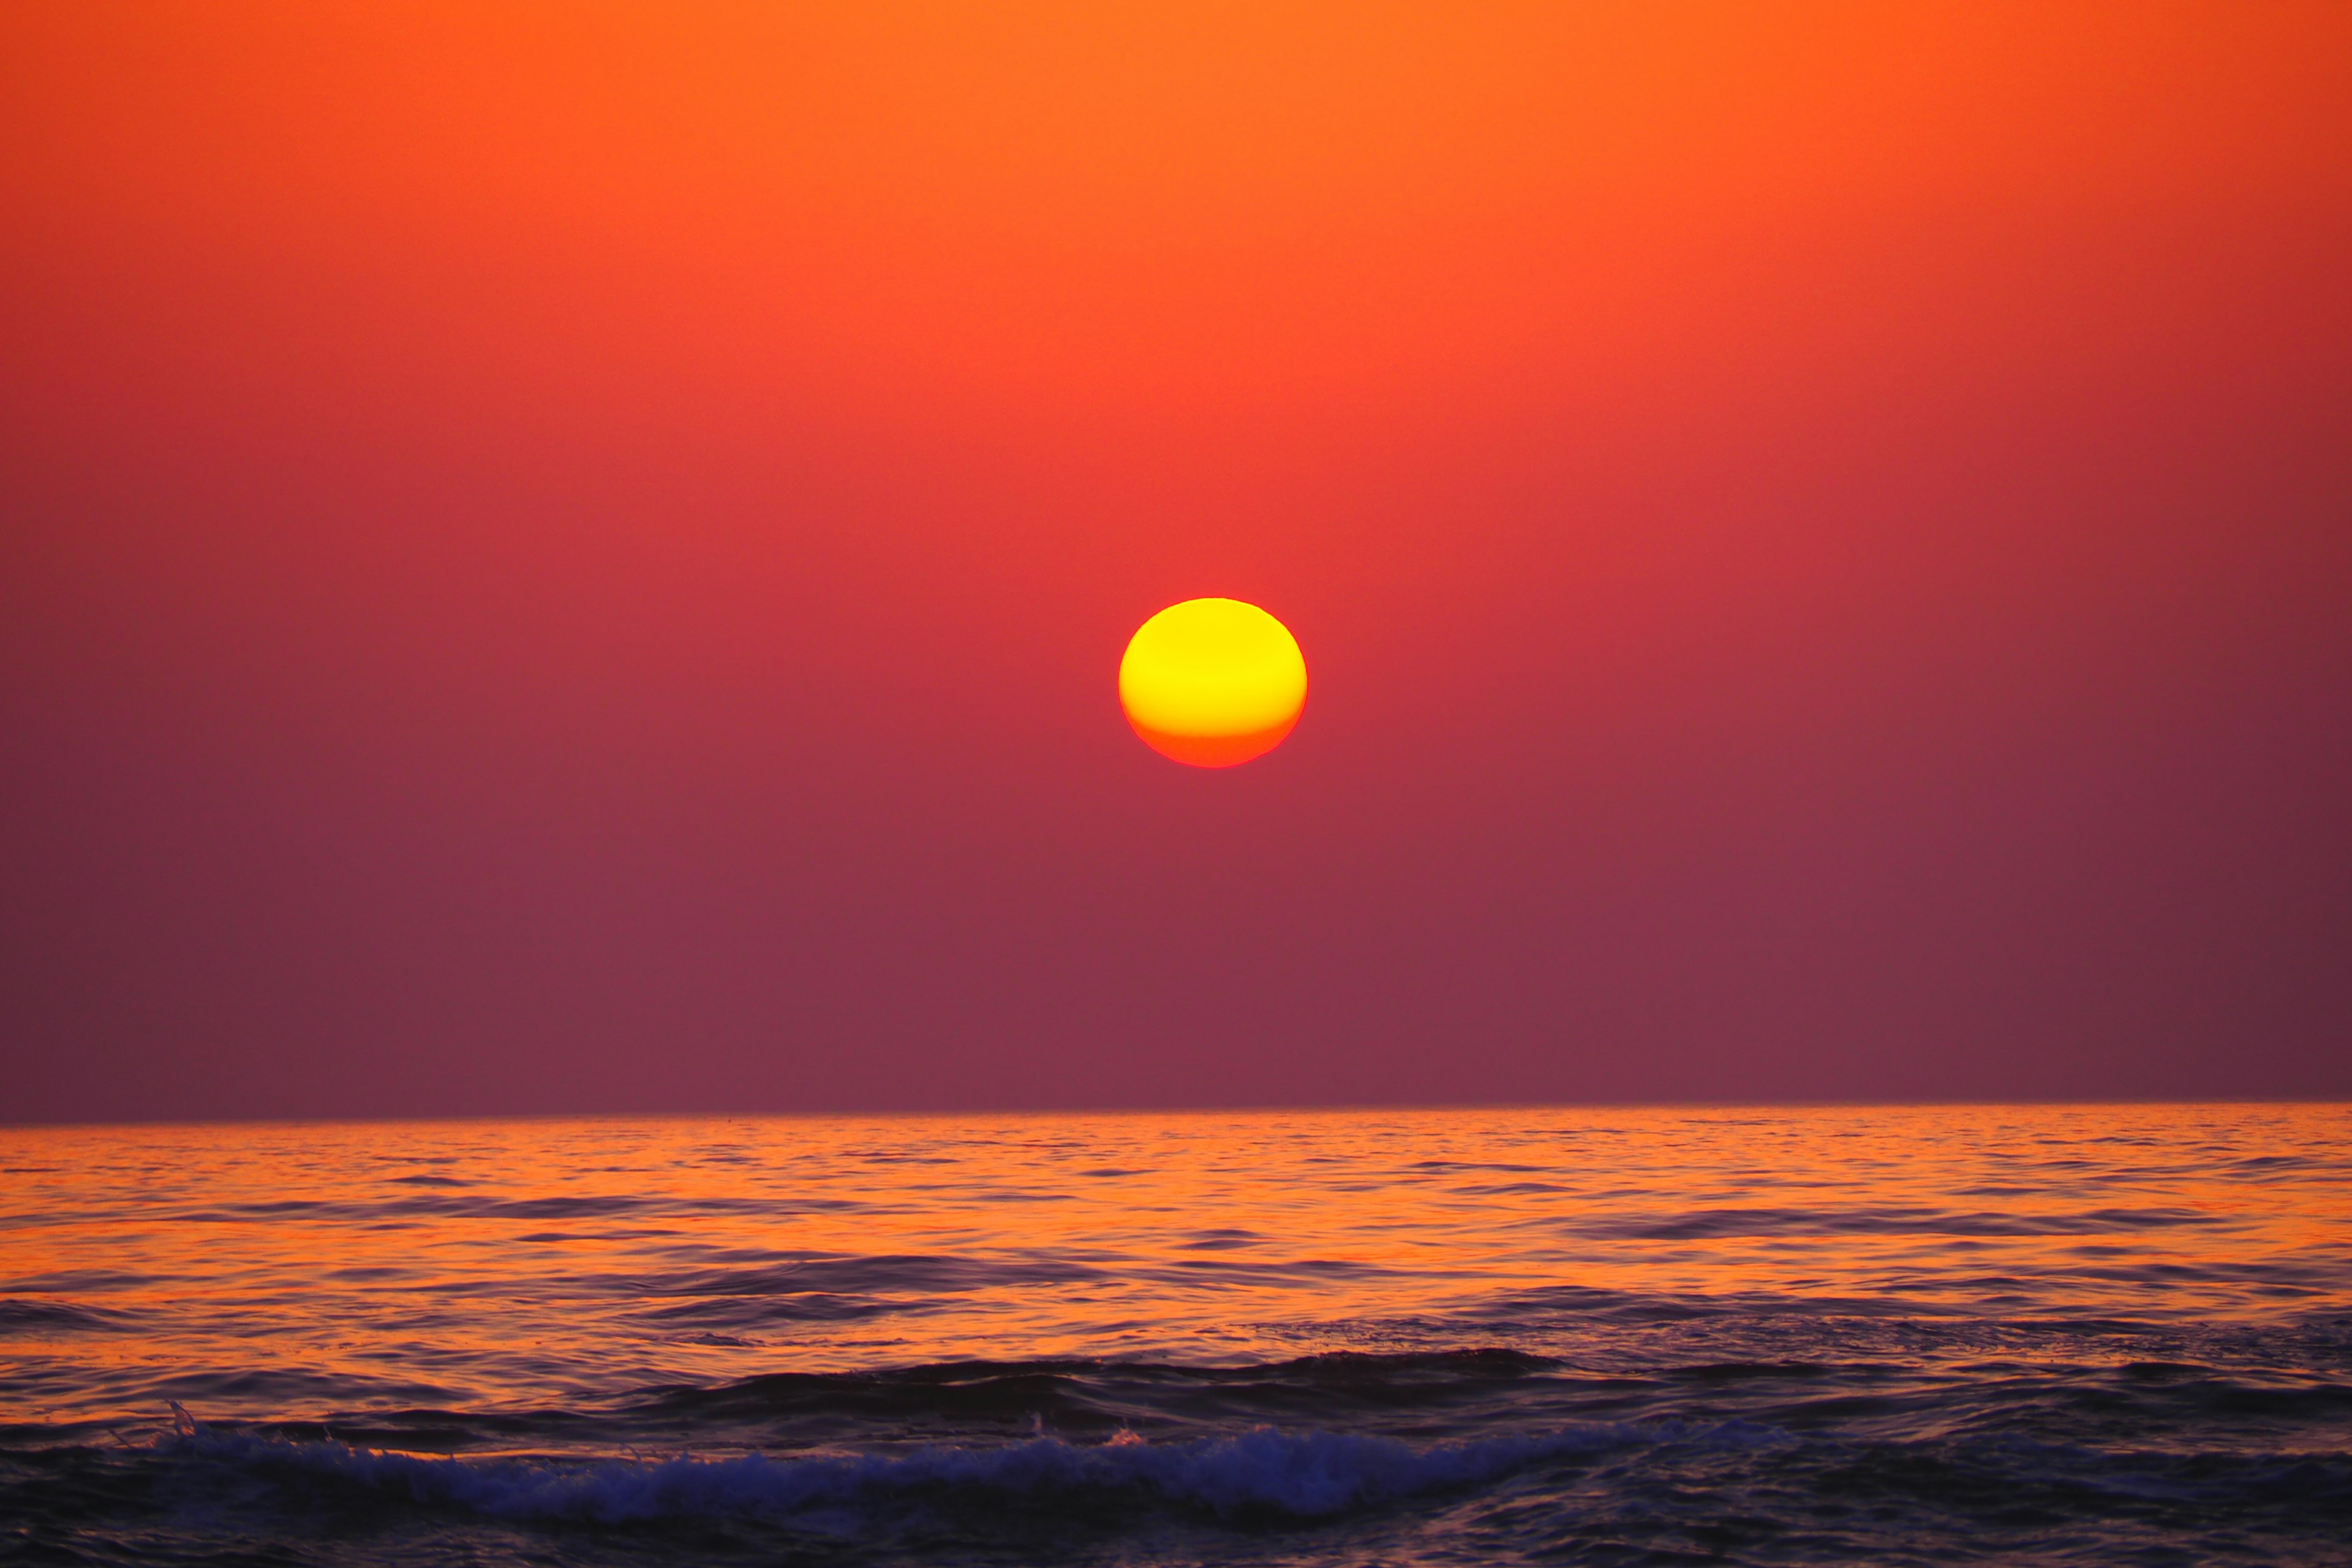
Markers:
2081,1334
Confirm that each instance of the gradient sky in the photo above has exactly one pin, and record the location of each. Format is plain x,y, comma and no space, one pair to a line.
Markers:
574,558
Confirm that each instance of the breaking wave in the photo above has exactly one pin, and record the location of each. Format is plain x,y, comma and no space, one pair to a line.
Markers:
1301,1475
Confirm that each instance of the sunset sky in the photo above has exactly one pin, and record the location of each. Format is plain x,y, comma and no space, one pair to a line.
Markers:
576,557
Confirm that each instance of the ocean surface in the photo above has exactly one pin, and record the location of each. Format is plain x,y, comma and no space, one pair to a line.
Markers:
2086,1334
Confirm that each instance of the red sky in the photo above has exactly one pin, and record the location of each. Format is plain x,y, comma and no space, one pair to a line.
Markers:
575,558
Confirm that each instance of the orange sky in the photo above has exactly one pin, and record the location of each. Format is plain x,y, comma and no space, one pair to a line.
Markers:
579,524
1165,210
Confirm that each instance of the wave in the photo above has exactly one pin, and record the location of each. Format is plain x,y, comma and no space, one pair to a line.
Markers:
874,1274
1700,1224
1268,1476
19,1317
1099,1394
1298,1475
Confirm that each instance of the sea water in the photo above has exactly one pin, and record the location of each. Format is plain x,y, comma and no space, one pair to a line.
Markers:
2079,1334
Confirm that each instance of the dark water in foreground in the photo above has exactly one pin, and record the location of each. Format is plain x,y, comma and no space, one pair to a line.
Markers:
2087,1335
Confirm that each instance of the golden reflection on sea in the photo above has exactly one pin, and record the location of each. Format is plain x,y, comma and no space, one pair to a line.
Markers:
481,1263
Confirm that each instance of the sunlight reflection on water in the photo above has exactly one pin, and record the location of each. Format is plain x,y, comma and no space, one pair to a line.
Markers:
489,1263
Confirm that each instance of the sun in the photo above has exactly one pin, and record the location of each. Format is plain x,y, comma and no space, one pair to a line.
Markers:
1213,682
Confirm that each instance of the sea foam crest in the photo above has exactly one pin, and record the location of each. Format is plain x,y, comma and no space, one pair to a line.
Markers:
1303,1474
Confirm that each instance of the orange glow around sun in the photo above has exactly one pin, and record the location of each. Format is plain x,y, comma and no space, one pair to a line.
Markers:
1213,682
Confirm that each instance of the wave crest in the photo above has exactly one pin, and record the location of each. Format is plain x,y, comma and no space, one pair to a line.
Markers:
1300,1474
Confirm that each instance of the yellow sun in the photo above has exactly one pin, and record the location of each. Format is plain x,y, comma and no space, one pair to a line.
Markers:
1213,682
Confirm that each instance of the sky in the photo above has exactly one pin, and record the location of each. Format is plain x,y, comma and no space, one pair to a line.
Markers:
573,558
